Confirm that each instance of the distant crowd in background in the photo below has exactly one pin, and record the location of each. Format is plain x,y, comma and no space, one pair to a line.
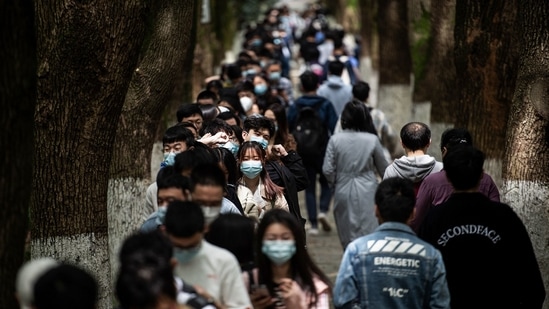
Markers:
224,226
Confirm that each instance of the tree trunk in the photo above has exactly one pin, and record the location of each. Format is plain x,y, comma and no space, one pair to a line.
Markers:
18,98
150,90
86,56
486,66
526,164
395,63
369,47
435,86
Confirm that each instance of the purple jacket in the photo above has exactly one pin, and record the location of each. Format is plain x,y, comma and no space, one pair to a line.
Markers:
436,189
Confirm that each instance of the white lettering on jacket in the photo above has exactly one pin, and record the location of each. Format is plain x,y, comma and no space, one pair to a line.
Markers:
468,229
385,260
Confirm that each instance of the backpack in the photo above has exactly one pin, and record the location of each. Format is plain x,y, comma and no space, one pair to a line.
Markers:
310,133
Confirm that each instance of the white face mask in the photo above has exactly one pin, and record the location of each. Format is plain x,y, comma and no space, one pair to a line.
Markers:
210,213
246,103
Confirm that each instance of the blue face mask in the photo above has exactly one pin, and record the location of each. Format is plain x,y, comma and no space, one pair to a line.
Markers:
232,147
184,256
278,251
251,168
256,42
161,214
263,142
274,76
169,159
260,89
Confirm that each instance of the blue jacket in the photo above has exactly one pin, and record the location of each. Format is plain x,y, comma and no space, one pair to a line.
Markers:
391,268
323,106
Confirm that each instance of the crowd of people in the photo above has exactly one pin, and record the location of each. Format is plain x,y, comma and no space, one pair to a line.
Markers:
225,229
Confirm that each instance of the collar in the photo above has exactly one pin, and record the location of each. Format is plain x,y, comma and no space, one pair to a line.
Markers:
395,226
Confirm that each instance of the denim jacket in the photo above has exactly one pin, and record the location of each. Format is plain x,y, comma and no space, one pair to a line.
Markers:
391,268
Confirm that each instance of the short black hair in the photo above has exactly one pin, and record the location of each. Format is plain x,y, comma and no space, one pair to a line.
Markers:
226,157
189,158
309,81
335,67
184,219
208,174
258,122
361,91
207,94
217,125
455,136
66,286
141,247
178,133
175,180
235,233
234,71
227,116
355,116
464,166
415,135
209,112
244,85
187,110
395,199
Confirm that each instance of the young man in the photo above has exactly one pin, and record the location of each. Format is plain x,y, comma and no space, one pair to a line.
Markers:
190,113
206,97
486,248
282,84
415,138
291,174
200,263
313,163
334,89
392,267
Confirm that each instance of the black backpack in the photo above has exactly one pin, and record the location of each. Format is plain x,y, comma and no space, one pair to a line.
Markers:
310,133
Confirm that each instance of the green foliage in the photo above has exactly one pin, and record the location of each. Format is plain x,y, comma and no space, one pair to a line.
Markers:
420,44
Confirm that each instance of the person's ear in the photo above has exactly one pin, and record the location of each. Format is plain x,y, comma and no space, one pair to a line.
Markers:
378,215
244,135
443,151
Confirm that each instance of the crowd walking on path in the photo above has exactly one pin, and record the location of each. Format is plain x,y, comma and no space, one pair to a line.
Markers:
225,227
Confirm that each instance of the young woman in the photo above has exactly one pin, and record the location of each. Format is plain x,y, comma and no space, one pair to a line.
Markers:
352,158
287,275
256,191
282,136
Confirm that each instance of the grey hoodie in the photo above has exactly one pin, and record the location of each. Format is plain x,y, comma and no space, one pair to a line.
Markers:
413,168
335,90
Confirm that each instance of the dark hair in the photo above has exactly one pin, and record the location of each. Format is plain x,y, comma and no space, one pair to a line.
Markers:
455,136
175,180
217,125
302,266
309,81
244,85
258,122
206,94
234,71
208,174
184,219
145,271
187,110
355,116
463,165
229,115
192,157
230,96
209,112
395,199
282,134
217,84
235,233
238,133
65,286
272,191
335,67
188,125
361,91
178,133
415,135
225,156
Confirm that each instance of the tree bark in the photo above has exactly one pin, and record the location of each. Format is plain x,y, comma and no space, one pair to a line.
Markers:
435,83
87,53
153,82
18,98
395,63
486,66
526,164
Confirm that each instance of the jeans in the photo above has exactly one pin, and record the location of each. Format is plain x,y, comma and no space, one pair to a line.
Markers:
310,194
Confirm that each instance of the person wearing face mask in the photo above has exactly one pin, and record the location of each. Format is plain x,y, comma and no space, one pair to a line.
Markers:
201,264
282,84
291,278
254,182
246,95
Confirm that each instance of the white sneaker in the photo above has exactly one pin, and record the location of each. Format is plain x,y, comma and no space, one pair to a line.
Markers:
324,222
313,231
